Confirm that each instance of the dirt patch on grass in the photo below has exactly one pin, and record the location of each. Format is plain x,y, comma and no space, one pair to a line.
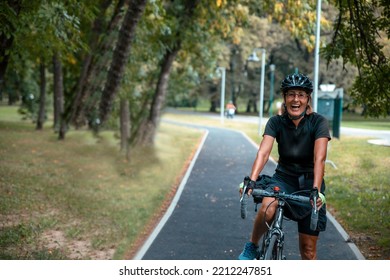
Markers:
52,243
368,247
74,249
365,243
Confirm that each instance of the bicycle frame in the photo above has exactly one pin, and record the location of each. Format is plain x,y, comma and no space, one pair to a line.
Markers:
276,229
273,239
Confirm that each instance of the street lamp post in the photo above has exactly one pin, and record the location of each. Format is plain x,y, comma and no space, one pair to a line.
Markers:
316,56
253,57
223,71
271,91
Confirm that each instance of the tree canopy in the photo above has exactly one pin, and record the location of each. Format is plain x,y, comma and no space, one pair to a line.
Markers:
149,52
361,37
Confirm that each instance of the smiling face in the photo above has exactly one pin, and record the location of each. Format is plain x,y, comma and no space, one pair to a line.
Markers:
296,101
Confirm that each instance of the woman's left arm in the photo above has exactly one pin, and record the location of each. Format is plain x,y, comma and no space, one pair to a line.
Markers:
320,148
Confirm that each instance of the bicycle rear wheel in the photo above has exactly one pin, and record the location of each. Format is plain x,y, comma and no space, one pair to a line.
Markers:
272,252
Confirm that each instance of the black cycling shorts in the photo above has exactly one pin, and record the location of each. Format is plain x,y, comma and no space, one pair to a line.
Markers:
301,213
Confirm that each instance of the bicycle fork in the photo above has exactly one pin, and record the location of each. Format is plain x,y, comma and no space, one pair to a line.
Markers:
275,230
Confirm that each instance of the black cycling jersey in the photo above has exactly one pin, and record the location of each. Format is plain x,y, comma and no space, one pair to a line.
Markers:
296,144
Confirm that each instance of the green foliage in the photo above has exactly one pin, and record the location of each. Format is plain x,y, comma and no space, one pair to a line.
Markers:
372,90
8,20
161,28
358,40
186,81
22,85
299,18
217,28
44,28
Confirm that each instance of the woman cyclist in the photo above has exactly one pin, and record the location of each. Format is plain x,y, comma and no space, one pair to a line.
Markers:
302,138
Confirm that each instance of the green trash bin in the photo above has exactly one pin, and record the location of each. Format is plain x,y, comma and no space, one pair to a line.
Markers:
330,105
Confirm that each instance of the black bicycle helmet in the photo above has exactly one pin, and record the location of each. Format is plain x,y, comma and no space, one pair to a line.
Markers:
296,80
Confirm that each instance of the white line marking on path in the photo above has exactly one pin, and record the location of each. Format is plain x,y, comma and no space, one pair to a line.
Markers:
172,206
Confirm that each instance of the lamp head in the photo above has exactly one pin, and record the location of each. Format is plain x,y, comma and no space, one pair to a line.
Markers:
253,57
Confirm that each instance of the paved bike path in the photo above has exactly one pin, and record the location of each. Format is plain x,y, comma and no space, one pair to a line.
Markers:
205,223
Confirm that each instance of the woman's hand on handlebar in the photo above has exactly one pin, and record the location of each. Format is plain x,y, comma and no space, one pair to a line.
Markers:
248,185
320,201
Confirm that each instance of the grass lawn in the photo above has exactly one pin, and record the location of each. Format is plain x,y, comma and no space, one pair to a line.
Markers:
80,198
359,193
357,121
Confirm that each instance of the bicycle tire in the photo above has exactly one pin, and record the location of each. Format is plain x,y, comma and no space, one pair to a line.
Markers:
271,252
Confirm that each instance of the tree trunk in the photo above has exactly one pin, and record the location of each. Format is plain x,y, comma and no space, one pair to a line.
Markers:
125,127
60,123
213,106
121,54
42,97
5,44
77,105
91,61
148,128
58,100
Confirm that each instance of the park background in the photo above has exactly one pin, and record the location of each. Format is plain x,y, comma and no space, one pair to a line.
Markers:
84,86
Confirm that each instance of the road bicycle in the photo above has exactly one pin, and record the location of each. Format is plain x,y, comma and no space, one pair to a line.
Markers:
273,240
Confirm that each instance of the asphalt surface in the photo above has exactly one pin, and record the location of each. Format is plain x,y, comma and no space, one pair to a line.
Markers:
204,223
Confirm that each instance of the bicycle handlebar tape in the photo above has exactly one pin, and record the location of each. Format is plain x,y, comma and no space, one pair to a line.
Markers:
314,216
314,212
243,204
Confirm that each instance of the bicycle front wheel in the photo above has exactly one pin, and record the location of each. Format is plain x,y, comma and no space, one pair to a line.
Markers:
273,252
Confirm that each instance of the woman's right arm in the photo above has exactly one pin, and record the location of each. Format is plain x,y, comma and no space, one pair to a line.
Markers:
262,156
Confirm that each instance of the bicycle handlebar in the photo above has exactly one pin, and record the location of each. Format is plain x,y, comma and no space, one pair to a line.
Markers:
314,212
243,202
284,196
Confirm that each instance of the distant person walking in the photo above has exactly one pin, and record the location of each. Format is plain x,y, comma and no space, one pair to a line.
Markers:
230,110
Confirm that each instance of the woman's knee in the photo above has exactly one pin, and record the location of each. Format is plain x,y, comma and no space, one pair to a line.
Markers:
308,246
268,208
308,253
